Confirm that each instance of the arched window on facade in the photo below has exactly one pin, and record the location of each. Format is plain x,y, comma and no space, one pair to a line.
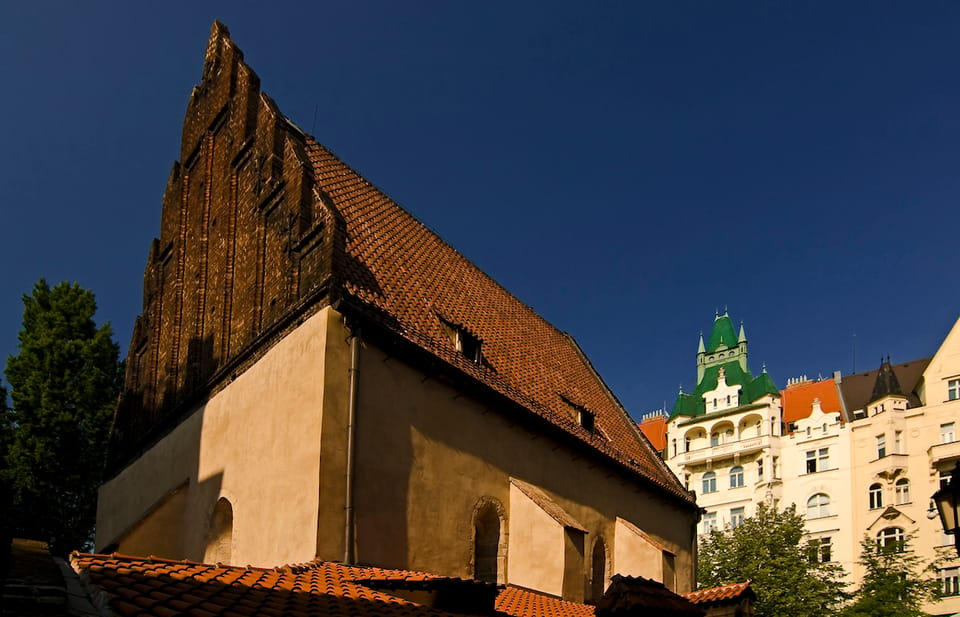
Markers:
709,482
890,539
736,477
598,570
489,543
219,547
818,506
876,496
903,491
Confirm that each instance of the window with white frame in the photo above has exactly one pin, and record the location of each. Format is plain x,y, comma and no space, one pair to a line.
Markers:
736,517
709,522
736,477
709,482
949,581
881,446
891,539
818,460
948,432
902,491
876,496
953,389
818,506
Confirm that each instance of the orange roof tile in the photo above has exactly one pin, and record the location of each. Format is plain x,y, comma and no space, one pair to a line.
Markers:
655,429
158,587
399,273
718,594
797,400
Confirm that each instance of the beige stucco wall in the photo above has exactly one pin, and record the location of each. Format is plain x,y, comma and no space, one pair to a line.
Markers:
256,443
426,453
635,555
535,546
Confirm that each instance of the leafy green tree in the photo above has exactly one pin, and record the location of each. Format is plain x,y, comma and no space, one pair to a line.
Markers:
64,383
895,583
768,549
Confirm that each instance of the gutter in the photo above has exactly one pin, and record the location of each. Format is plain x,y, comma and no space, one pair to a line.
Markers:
354,372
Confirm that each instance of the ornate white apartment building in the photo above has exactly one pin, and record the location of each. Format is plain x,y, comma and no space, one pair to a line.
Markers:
859,455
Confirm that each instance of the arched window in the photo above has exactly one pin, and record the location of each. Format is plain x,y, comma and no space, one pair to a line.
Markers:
736,477
903,491
219,547
890,539
818,506
714,437
489,544
709,482
876,496
598,570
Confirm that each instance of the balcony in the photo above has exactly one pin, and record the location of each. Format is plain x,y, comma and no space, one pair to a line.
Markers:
727,450
889,466
944,453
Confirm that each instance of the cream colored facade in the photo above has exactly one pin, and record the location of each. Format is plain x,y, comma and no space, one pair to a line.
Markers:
257,475
730,457
872,476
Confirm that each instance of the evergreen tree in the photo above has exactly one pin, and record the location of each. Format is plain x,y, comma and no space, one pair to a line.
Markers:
894,583
64,383
768,549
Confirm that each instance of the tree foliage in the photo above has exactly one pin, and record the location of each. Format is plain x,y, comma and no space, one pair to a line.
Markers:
769,550
64,383
895,582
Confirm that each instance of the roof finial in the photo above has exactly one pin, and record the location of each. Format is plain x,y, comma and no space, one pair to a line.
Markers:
764,365
681,388
725,310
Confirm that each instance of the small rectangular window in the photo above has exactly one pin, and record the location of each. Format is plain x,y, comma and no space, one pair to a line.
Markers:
709,522
953,389
947,433
881,446
898,442
818,460
736,517
949,581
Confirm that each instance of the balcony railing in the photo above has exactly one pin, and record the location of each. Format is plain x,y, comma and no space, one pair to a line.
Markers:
724,450
944,452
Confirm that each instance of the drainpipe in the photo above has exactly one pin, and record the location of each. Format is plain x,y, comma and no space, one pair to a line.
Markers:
348,530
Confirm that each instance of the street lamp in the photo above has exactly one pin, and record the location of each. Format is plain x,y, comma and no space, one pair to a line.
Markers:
948,505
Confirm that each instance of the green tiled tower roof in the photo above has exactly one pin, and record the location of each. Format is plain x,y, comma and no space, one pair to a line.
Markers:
735,371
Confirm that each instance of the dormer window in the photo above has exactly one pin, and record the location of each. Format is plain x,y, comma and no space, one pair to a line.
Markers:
584,416
468,345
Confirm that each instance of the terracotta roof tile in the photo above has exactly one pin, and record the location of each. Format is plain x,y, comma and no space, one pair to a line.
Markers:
716,594
154,587
397,268
797,400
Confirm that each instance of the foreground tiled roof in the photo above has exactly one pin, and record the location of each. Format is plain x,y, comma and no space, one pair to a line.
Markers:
154,587
797,400
417,285
732,591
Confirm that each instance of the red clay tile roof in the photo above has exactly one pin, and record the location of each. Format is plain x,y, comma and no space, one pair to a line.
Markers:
732,591
628,596
525,603
401,272
547,505
154,587
797,400
655,429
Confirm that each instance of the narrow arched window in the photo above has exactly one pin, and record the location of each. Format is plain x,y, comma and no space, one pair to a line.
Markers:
818,506
598,570
219,547
489,545
736,477
876,496
903,491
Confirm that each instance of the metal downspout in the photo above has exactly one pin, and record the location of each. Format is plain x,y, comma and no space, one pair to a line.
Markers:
348,530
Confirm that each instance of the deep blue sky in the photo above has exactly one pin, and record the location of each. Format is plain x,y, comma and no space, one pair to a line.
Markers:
625,168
